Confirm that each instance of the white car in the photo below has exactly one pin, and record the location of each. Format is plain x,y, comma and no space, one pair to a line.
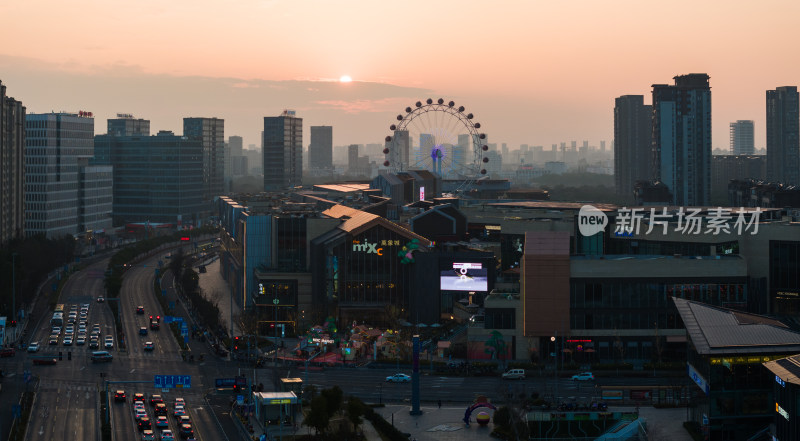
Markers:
398,378
109,342
583,376
33,347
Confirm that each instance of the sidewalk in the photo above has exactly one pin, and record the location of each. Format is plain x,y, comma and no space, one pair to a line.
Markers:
446,424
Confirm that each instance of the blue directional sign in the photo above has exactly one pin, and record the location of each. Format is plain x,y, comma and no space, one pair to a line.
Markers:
172,381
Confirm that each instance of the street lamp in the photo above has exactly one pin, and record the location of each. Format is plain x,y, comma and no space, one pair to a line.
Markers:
14,290
555,359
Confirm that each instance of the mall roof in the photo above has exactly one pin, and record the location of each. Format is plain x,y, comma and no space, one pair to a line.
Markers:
357,221
720,331
342,188
788,369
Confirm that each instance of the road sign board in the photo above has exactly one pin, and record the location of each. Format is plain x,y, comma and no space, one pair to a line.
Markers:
240,399
172,381
276,301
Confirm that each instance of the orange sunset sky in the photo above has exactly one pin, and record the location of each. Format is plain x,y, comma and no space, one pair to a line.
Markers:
532,72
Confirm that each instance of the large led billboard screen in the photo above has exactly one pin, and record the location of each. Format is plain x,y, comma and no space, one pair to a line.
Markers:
465,277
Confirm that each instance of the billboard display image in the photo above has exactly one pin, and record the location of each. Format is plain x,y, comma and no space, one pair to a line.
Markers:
465,277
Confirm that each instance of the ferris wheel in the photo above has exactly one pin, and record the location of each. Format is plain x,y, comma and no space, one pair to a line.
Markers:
439,137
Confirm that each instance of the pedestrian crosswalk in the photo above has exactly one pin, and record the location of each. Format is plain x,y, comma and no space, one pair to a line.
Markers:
59,386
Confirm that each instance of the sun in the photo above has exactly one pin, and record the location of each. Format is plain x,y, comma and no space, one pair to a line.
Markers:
345,79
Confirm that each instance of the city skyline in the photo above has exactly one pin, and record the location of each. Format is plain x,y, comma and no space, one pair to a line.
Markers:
547,73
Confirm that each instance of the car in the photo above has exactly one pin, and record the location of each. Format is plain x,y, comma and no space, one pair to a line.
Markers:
139,414
149,346
138,405
166,435
94,344
180,402
184,419
155,399
160,409
186,431
69,329
138,396
179,412
140,310
53,340
154,325
161,421
514,374
7,352
398,378
144,423
109,342
142,331
45,360
33,347
80,341
147,435
119,395
67,340
583,376
56,330
101,299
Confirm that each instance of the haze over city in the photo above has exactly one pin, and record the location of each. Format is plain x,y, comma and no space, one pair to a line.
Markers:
532,72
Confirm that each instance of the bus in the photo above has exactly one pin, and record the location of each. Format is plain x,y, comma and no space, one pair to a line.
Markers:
59,308
58,319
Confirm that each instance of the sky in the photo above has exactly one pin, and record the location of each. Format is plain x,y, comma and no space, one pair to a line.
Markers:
532,72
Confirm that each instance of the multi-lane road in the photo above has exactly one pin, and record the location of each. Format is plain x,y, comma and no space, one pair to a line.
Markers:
68,403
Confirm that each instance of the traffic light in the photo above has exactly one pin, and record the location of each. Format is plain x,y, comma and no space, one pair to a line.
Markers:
13,324
236,343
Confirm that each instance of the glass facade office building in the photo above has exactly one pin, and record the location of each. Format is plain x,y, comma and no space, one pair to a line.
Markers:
56,146
156,178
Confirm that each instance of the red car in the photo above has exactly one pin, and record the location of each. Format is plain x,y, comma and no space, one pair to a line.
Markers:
7,352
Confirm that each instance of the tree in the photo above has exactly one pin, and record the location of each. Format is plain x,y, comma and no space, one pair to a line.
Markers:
334,398
355,410
176,263
318,417
190,281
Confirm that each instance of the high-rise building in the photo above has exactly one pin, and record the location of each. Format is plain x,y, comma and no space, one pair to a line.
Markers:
126,125
682,138
236,164
255,160
211,133
320,150
12,167
783,136
352,157
57,145
632,132
96,195
742,137
283,151
156,178
399,150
